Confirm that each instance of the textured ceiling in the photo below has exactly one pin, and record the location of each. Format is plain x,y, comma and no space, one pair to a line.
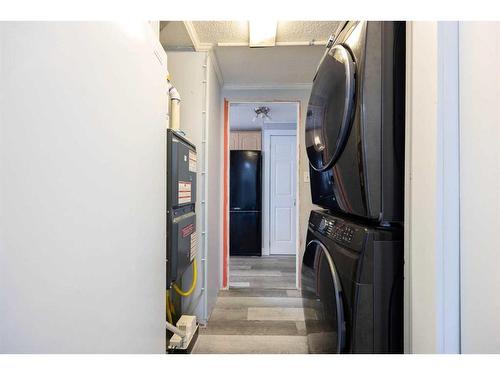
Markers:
287,31
242,114
222,31
276,66
257,67
304,31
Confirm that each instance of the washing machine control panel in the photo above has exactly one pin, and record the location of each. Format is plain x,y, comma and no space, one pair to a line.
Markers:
337,230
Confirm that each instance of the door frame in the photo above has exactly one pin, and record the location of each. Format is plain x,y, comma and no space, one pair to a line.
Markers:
225,239
267,132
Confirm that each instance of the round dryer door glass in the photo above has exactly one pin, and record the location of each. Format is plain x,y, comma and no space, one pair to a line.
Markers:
322,301
330,109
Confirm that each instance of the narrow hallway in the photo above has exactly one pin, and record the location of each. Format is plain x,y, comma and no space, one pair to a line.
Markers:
261,313
267,272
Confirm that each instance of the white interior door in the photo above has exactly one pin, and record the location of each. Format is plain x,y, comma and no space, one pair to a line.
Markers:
283,163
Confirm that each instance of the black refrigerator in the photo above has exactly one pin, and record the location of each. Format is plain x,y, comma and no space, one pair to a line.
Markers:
245,197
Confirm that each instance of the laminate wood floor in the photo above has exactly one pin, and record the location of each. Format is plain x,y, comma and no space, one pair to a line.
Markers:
261,313
266,272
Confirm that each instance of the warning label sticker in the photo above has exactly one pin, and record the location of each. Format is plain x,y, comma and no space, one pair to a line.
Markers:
187,230
194,246
184,192
192,161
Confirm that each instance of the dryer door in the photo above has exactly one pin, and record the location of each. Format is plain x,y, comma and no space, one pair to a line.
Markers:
331,108
322,298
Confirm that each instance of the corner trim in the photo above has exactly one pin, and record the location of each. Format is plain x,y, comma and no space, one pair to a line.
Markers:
193,35
218,72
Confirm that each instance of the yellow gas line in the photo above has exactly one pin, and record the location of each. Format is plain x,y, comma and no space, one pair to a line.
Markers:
193,284
167,305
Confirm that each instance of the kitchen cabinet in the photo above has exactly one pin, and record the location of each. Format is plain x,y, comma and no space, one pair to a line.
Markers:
245,140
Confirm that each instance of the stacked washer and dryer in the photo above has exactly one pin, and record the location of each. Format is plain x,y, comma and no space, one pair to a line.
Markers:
352,269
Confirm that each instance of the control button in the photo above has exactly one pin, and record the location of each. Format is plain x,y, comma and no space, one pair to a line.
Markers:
322,225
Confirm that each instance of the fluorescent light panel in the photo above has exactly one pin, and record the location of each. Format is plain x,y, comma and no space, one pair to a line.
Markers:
263,33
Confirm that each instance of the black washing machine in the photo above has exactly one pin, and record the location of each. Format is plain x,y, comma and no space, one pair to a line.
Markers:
352,286
355,122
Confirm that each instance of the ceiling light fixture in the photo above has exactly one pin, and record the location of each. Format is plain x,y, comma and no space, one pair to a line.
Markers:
262,112
263,33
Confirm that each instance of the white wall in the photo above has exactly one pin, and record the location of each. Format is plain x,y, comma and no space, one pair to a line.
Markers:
302,95
82,188
453,179
421,197
431,201
480,186
188,73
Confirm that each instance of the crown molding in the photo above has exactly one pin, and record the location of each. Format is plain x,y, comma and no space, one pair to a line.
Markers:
263,86
204,47
310,43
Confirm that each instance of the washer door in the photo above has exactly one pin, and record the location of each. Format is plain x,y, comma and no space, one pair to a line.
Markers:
330,109
322,300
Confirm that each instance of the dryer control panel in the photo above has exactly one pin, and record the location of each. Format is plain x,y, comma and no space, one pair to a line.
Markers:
337,230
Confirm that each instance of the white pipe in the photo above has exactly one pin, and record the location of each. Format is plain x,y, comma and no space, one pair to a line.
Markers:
174,329
205,176
175,107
